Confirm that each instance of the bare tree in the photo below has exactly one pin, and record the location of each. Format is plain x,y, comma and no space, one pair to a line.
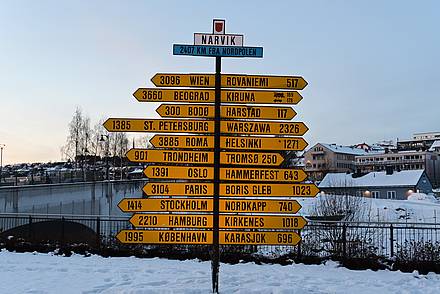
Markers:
78,138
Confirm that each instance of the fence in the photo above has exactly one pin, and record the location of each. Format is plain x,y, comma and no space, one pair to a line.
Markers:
404,242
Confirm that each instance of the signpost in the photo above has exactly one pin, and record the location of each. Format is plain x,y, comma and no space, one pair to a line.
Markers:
223,161
203,157
183,141
158,125
204,221
165,237
240,112
230,143
208,96
206,205
228,80
263,143
268,190
231,189
263,128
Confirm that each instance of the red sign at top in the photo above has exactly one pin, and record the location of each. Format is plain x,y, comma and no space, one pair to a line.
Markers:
219,26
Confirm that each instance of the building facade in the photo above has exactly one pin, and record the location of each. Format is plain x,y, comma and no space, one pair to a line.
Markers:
399,161
330,158
419,141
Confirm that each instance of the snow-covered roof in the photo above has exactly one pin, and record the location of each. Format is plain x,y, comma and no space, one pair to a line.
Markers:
344,149
373,179
435,145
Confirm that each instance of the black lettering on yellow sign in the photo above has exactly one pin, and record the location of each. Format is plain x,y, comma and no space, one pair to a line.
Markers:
261,222
244,112
179,172
245,238
183,237
262,174
262,127
193,95
261,238
172,220
238,189
247,82
240,96
243,221
254,205
182,141
249,205
248,127
232,142
183,204
158,125
188,220
164,237
164,205
196,189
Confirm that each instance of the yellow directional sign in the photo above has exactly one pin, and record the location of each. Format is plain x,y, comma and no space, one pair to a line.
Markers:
259,238
227,174
179,189
263,128
268,190
183,141
249,158
208,96
206,205
203,157
239,112
261,222
164,237
262,143
170,156
231,190
229,81
232,143
165,205
177,220
254,205
159,125
226,221
263,174
179,172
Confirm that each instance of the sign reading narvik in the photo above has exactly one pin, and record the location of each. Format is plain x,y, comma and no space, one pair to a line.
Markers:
218,36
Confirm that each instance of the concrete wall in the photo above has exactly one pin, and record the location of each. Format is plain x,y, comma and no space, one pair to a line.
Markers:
90,198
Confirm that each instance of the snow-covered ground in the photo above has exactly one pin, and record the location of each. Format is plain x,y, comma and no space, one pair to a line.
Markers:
48,273
417,211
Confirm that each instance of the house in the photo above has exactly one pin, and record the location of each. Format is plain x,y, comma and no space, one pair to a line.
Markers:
385,185
324,158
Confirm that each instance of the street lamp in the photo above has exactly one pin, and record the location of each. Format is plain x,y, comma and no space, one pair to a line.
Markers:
1,161
106,153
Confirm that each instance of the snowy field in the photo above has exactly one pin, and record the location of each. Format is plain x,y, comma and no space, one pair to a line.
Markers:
48,273
385,210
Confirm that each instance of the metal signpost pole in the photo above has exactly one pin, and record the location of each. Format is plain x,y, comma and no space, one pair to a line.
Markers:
215,263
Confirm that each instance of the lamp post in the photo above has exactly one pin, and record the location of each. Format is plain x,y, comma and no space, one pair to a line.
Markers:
106,153
1,161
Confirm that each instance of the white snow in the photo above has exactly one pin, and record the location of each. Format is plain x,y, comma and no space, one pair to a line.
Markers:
372,179
416,197
48,273
386,209
345,149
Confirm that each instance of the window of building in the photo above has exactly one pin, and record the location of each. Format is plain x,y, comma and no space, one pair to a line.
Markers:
375,194
391,194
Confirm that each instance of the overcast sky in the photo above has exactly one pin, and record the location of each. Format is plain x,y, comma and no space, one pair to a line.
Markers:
373,67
